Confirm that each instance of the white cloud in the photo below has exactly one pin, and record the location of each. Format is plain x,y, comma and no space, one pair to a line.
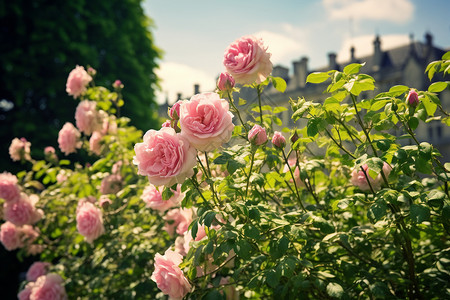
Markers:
364,45
397,11
180,78
283,47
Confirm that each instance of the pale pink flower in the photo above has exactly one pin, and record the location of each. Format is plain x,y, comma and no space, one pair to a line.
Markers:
10,236
115,169
91,71
69,139
9,189
118,84
247,60
225,82
168,276
205,120
89,221
87,118
111,184
181,217
62,176
26,292
77,81
49,150
278,140
109,123
94,142
48,287
37,269
153,198
165,157
359,179
167,123
257,135
19,149
28,234
292,162
104,201
22,210
174,111
35,249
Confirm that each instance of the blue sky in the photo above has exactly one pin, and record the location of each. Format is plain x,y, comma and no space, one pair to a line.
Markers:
194,34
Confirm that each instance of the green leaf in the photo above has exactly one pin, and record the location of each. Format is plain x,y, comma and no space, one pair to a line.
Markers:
419,213
272,278
397,90
214,295
279,109
437,87
429,105
243,249
242,101
353,68
413,122
377,211
251,232
335,290
314,126
317,77
279,83
446,56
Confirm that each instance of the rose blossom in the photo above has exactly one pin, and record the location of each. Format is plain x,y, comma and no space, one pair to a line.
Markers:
413,98
89,221
77,81
257,135
153,198
69,139
118,84
47,287
165,157
62,176
9,189
22,211
10,236
359,179
87,118
104,201
278,140
115,169
19,149
247,60
292,162
174,111
94,142
167,123
37,269
225,82
205,120
181,218
111,184
28,234
109,123
168,276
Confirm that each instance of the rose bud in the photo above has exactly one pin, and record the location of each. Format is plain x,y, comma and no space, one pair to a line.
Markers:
413,98
257,135
174,111
225,82
118,84
278,140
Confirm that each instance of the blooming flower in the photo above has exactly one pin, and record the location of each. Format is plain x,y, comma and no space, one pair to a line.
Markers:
89,221
111,184
225,82
257,135
22,210
94,142
181,218
10,236
46,287
19,149
165,157
168,276
36,270
87,118
77,81
359,179
205,120
69,139
9,189
247,60
153,198
278,140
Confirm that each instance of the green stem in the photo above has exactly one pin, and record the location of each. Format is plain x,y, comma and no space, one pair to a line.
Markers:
250,171
293,179
230,98
259,91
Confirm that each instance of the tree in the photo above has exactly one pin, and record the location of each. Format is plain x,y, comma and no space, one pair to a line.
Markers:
42,41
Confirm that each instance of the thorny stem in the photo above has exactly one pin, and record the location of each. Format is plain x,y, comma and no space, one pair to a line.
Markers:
293,179
259,90
340,145
307,181
230,98
250,171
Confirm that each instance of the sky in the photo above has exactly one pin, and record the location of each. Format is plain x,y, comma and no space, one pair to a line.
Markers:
193,35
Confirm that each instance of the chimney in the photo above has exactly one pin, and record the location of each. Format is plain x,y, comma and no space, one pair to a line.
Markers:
301,72
178,96
377,54
332,61
279,71
352,54
428,44
196,89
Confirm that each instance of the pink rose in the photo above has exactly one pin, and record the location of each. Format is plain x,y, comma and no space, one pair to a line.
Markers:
225,82
165,157
77,81
359,179
118,84
62,176
168,276
167,123
205,120
87,118
10,236
111,184
115,169
26,292
37,269
48,287
94,142
89,221
153,198
109,123
174,111
28,234
9,189
292,162
104,201
69,139
19,149
257,135
181,217
413,98
22,211
49,150
247,60
278,140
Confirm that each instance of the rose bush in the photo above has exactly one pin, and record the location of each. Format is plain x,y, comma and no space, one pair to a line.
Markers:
205,208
